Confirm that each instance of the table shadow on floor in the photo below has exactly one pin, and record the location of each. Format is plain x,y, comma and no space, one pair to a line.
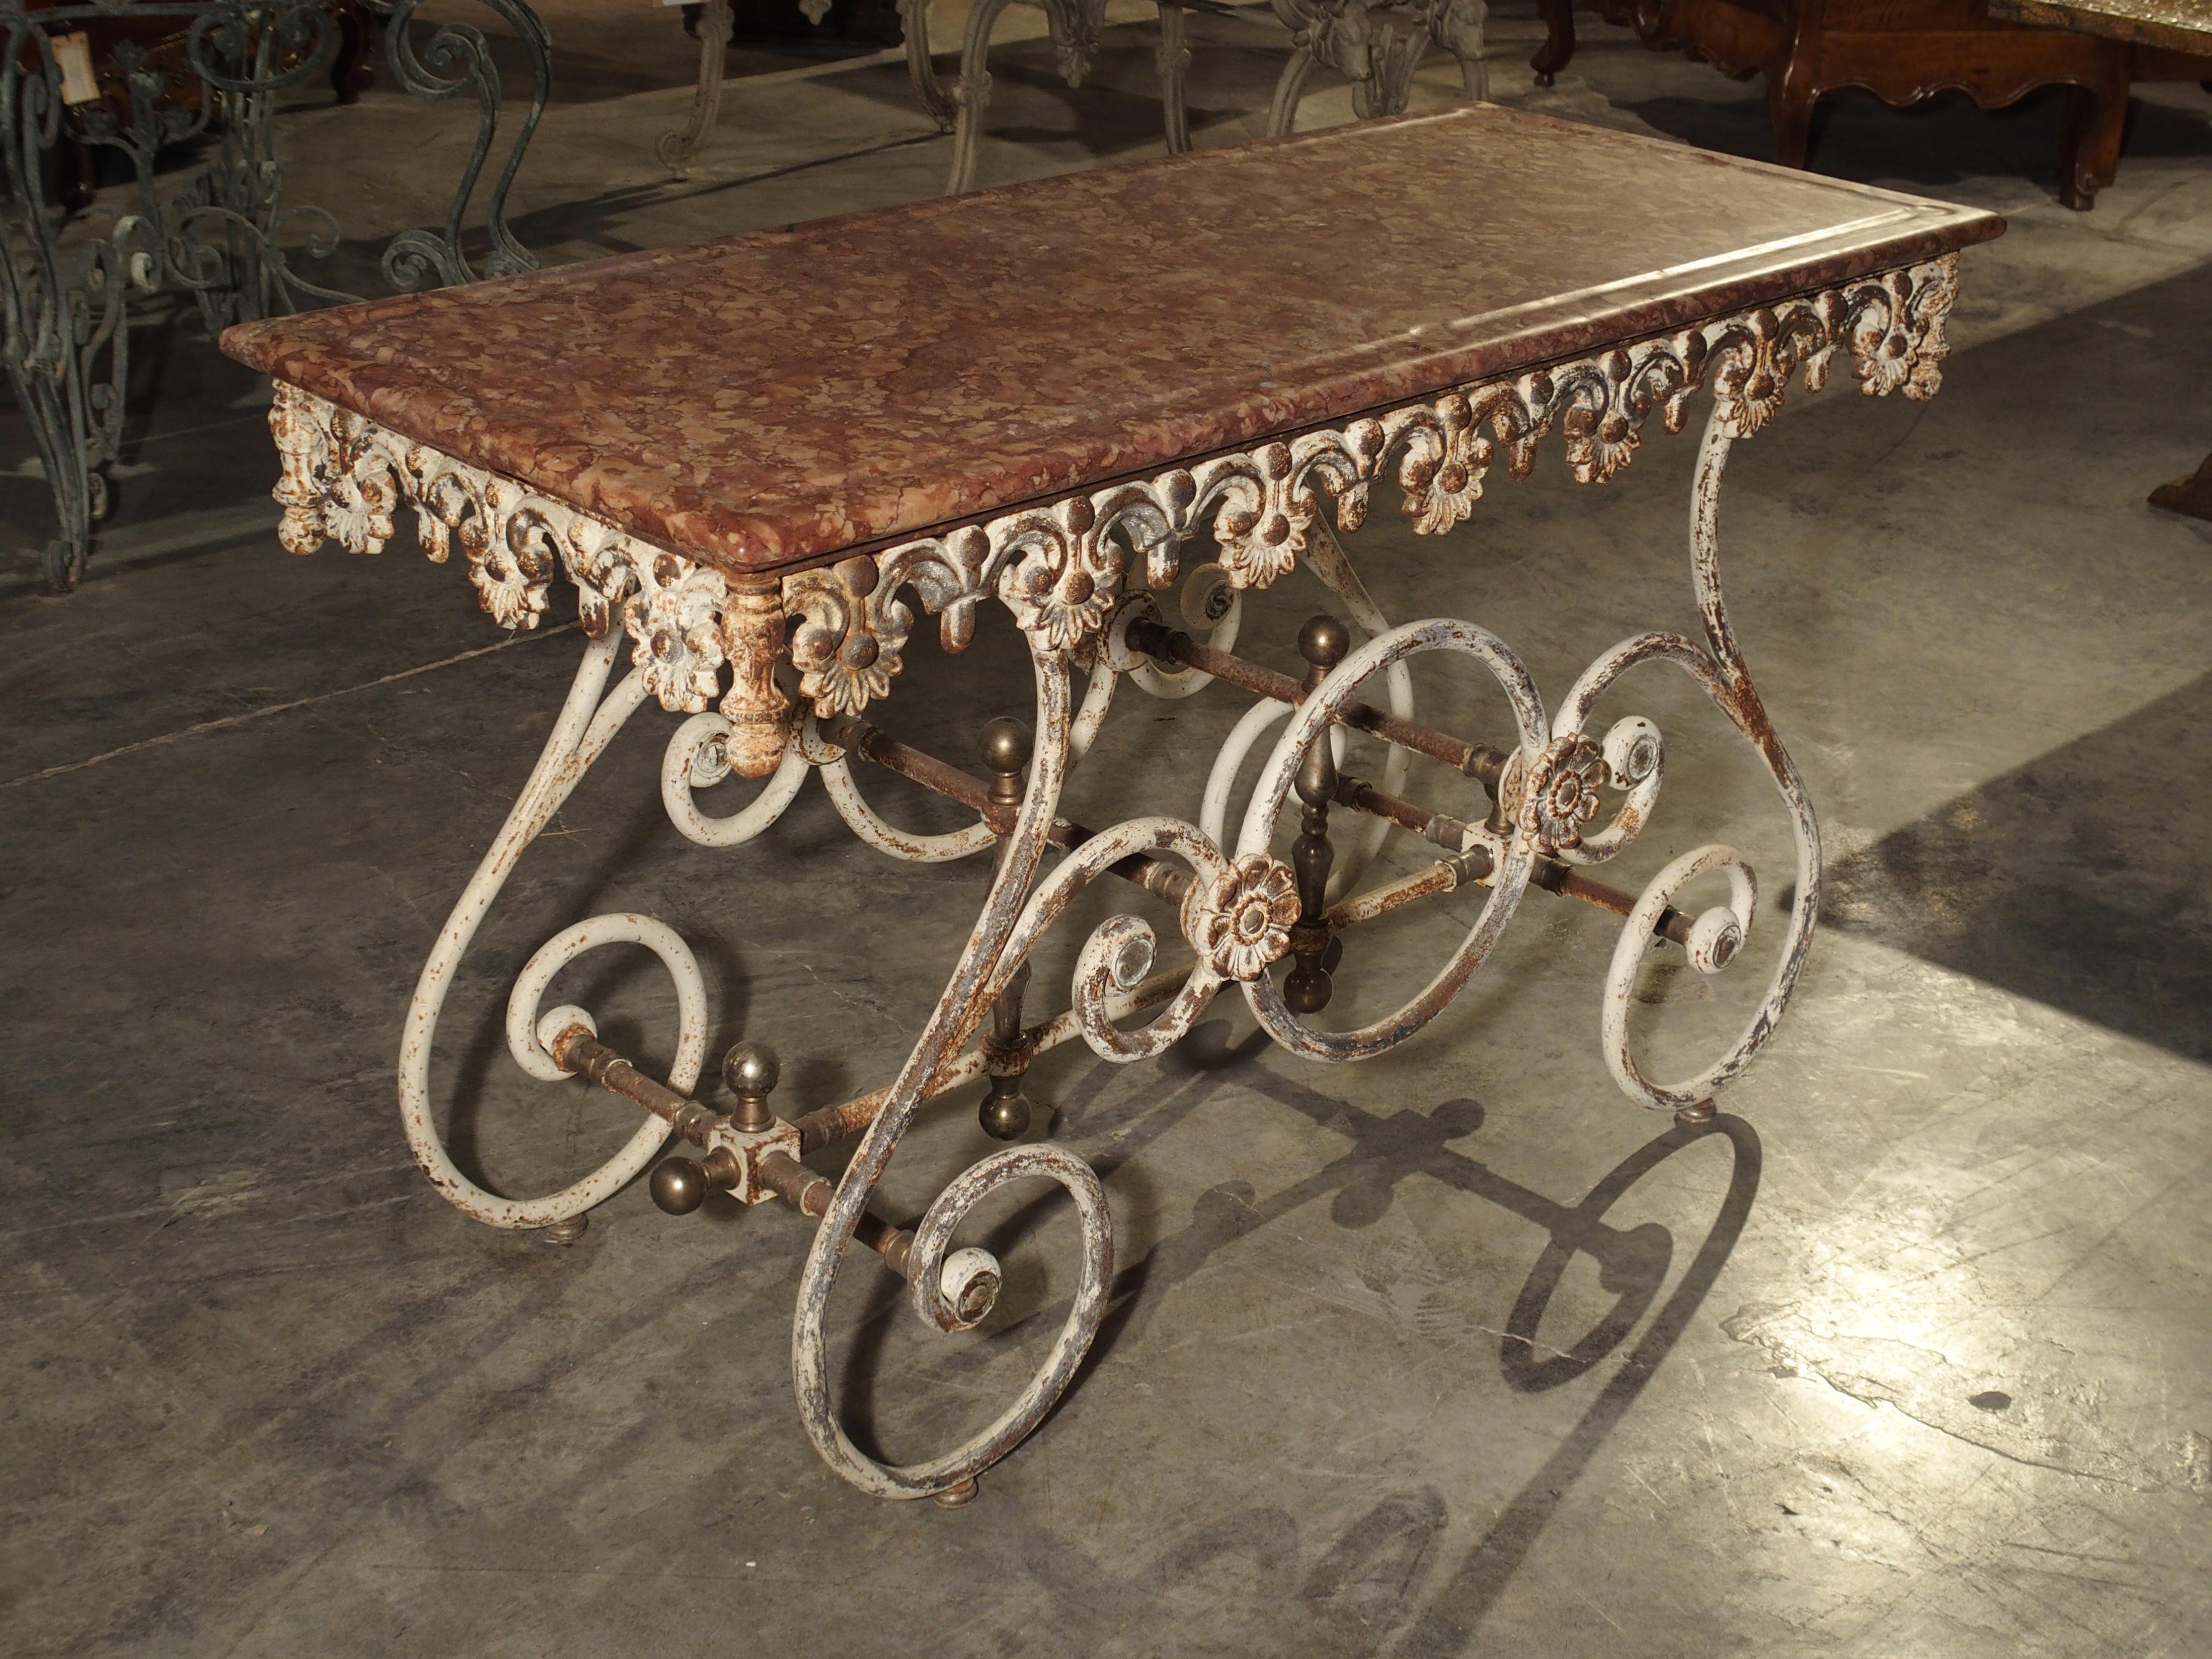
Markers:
2082,880
1384,1152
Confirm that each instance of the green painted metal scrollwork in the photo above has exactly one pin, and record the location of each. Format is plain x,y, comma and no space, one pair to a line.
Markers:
229,238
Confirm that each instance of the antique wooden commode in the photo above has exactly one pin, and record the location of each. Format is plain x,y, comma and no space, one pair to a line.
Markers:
754,476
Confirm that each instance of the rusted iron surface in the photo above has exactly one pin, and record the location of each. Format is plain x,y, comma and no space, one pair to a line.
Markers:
1444,876
957,1013
1477,760
810,1195
1269,794
750,1155
1568,883
575,1049
827,1124
857,736
1078,577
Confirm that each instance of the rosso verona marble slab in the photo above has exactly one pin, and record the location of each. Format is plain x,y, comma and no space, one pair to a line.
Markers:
771,400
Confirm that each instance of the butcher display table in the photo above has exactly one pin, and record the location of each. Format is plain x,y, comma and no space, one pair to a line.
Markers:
758,458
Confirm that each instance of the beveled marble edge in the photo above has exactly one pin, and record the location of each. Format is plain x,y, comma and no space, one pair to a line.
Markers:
1814,277
1058,566
781,529
1549,332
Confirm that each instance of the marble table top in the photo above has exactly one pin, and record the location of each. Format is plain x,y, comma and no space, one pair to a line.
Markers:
2176,25
772,399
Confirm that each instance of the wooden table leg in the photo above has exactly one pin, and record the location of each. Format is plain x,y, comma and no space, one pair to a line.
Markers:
2191,495
1559,46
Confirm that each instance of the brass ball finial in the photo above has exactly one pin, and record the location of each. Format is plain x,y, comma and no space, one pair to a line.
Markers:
1006,743
1005,1112
679,1186
751,1069
1324,642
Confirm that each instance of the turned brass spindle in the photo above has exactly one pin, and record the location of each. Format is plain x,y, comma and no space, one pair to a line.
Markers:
1005,1111
1323,642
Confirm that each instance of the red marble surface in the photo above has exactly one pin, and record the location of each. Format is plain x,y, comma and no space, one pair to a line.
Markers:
769,399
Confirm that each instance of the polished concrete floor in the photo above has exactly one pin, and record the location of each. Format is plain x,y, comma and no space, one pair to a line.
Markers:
1452,1353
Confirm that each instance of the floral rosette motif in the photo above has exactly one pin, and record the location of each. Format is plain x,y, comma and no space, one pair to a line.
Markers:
677,625
1751,376
1558,795
1898,342
1241,922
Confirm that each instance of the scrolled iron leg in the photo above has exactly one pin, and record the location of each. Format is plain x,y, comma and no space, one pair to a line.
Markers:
455,62
69,372
586,726
1715,937
943,1292
1459,26
1377,58
1290,90
80,496
587,723
675,150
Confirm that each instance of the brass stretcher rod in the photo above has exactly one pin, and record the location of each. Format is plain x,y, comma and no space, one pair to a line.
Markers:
850,731
1171,881
1484,764
1479,761
576,1049
1550,874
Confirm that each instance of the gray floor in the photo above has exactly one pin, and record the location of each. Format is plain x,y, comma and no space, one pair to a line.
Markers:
1454,1352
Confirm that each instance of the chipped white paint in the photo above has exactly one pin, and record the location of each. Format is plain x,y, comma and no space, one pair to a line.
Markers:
1071,573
